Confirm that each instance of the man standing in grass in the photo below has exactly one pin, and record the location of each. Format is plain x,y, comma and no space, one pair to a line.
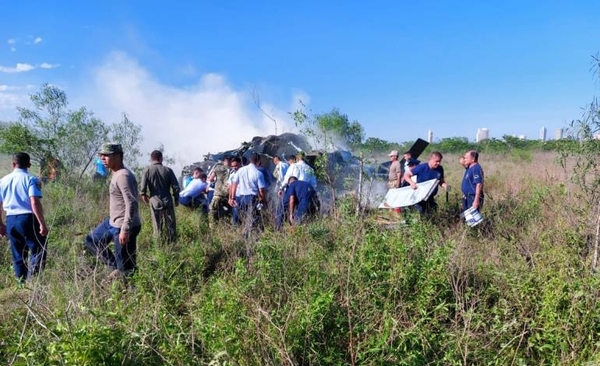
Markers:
424,172
123,225
248,191
472,184
20,194
161,189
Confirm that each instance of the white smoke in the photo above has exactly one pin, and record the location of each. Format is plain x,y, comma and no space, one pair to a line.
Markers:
190,121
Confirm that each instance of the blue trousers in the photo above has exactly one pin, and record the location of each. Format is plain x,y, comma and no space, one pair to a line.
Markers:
467,201
124,256
23,232
247,213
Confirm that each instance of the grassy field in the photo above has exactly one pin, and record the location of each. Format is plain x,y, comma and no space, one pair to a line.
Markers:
345,289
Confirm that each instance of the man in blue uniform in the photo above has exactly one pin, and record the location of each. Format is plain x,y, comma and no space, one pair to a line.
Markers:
301,200
472,184
20,195
424,172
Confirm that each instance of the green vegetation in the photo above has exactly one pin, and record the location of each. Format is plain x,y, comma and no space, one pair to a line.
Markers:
354,287
343,290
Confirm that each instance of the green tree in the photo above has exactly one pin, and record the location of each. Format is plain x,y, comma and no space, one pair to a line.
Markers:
50,130
336,127
582,150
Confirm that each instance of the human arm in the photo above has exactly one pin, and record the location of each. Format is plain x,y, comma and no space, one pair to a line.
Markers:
292,206
478,191
38,212
2,226
407,179
144,186
174,188
126,185
232,191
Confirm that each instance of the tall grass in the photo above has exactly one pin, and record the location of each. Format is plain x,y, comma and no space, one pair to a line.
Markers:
340,290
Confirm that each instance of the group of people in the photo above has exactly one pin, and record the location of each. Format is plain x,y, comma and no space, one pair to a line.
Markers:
412,173
242,190
248,192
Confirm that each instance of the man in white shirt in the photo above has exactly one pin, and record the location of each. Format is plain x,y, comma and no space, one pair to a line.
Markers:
281,168
194,194
301,171
248,190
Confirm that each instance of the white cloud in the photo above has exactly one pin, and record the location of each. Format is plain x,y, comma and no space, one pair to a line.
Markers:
37,40
46,65
209,116
4,88
12,41
19,68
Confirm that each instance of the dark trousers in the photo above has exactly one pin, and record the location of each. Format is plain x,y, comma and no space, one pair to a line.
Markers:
164,223
124,256
281,214
307,207
467,201
26,243
247,212
427,207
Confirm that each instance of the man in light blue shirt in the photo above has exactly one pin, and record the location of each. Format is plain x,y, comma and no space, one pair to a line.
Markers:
20,194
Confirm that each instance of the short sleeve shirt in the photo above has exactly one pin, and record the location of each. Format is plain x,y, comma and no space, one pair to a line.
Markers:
473,176
16,189
425,173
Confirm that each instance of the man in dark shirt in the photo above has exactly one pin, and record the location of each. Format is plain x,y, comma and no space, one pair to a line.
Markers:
161,189
301,201
472,184
424,172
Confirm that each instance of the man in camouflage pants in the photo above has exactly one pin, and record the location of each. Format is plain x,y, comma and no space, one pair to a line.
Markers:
220,173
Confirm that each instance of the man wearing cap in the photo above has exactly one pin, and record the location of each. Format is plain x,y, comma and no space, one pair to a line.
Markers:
20,194
161,189
218,203
472,184
123,224
395,170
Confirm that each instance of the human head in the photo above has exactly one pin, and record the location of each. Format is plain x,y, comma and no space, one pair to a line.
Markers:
435,159
276,160
226,160
156,156
407,155
471,157
254,158
112,156
300,155
21,160
292,179
203,176
196,173
291,159
393,155
235,162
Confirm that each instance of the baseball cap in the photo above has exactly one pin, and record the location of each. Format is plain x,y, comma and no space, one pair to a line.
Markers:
109,149
393,153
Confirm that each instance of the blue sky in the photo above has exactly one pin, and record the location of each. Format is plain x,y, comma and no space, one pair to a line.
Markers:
189,69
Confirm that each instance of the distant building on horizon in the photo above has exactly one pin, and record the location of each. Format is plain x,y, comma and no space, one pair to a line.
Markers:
482,134
522,137
543,134
558,134
430,136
